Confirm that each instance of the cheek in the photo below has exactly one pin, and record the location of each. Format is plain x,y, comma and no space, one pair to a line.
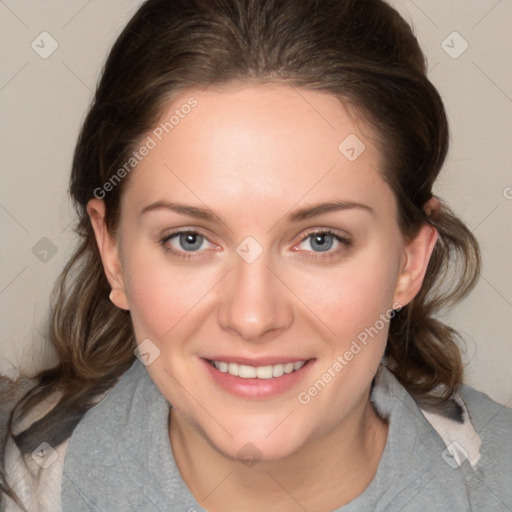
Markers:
341,301
161,295
355,303
351,297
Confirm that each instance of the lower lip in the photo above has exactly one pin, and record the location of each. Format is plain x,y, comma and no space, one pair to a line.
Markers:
256,388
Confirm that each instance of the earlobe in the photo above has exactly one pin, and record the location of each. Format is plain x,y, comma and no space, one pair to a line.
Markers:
109,252
416,257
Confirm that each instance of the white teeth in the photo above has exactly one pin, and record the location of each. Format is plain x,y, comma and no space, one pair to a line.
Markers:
288,368
278,370
246,372
264,372
233,369
260,372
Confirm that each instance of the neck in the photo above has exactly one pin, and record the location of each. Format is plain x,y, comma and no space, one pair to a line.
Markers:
326,473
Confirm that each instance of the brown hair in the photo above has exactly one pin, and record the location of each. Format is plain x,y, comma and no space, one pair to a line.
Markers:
361,51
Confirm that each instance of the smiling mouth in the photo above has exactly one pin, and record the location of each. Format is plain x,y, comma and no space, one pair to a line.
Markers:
257,372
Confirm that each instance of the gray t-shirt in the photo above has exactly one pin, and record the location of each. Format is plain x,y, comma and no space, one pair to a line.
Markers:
120,458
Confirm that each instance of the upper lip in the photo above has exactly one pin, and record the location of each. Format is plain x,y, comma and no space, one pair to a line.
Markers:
259,361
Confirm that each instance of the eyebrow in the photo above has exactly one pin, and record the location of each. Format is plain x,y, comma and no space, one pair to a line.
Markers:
294,217
182,209
322,208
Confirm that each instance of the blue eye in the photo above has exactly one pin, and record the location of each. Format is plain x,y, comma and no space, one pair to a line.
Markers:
190,241
323,241
187,241
184,244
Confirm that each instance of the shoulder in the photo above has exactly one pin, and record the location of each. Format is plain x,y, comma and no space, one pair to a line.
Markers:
481,426
476,432
493,423
477,429
486,413
34,477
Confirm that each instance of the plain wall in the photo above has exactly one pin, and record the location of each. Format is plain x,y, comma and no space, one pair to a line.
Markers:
44,100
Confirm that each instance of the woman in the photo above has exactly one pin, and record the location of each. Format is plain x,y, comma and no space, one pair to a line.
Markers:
249,322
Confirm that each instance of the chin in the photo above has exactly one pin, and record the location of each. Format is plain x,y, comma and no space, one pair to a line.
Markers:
267,443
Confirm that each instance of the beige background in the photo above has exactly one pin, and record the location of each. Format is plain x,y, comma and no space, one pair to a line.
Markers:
43,101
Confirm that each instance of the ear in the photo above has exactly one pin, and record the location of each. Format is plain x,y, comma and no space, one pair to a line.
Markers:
109,251
415,258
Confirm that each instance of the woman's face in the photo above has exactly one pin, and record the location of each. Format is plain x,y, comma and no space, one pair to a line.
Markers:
259,174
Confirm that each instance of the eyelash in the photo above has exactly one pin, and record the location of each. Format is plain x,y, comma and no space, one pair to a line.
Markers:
327,256
345,242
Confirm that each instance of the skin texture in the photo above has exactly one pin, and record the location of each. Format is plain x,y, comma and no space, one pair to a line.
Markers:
252,154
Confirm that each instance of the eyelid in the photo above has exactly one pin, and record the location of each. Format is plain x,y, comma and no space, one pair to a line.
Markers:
342,237
325,230
344,240
181,254
172,232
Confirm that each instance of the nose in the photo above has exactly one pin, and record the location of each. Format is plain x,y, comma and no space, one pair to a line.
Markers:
255,304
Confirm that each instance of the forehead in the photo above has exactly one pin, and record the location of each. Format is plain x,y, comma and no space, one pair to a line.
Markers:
270,142
265,118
